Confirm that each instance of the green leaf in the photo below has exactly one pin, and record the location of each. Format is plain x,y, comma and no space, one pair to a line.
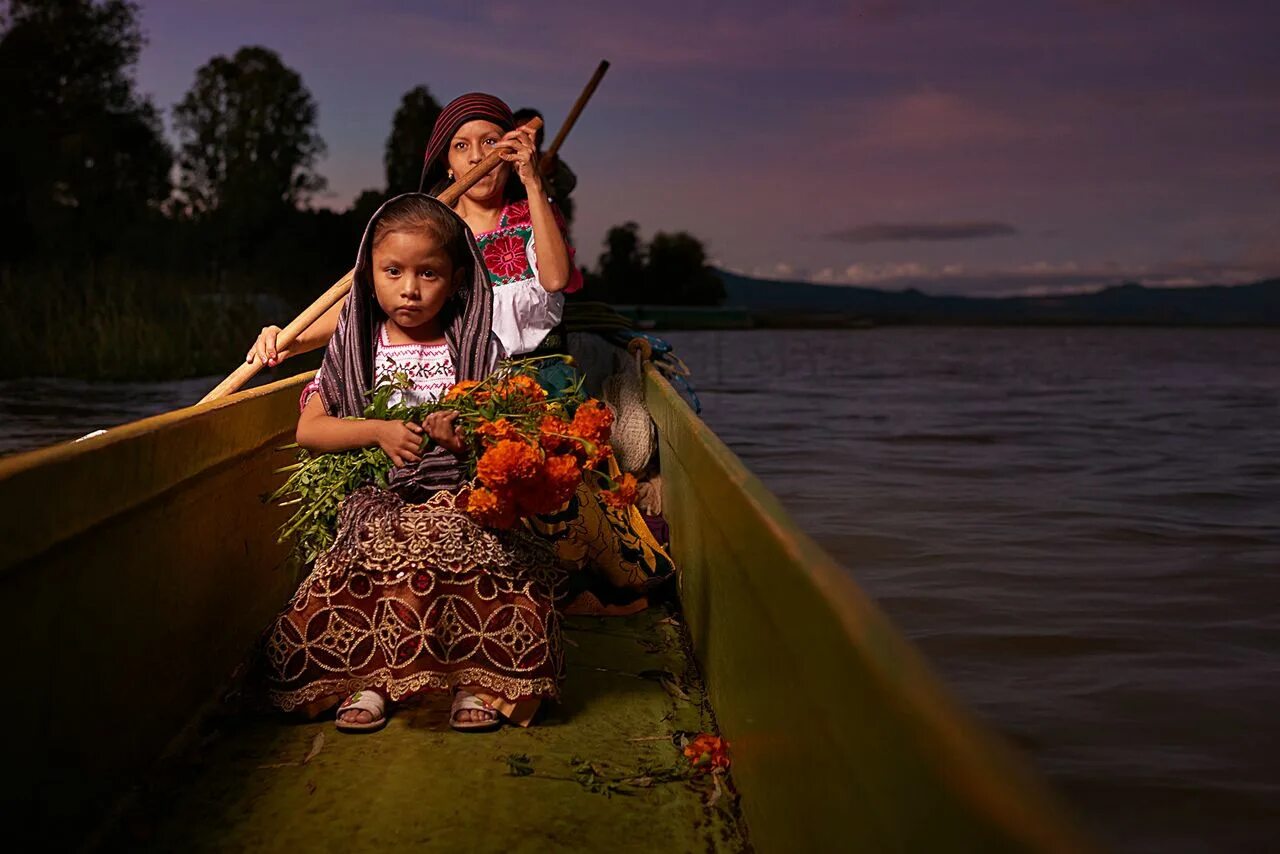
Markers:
519,764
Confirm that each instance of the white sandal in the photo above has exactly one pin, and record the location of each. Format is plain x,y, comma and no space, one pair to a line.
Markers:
363,701
466,701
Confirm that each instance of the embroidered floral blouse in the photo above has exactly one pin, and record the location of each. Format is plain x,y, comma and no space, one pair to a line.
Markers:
523,311
428,367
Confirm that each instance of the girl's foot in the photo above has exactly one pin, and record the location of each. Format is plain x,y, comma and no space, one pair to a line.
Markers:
363,711
471,714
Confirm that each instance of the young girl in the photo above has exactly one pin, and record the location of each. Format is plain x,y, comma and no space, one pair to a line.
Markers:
414,596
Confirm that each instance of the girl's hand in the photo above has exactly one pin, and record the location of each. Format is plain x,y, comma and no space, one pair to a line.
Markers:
521,152
264,350
402,440
444,432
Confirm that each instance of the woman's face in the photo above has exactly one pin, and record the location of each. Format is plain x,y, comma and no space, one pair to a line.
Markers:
473,142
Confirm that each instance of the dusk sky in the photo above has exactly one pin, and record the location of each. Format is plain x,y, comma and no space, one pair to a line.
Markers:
978,147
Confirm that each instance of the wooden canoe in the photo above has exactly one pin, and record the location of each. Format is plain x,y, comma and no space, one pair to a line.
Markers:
139,567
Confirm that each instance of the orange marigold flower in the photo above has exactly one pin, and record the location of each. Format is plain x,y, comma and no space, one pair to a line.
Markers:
563,467
602,452
507,463
492,432
563,475
592,421
590,454
707,752
489,508
525,386
460,389
553,432
553,487
623,495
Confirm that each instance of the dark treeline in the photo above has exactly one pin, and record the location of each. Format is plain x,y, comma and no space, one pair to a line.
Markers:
90,184
671,270
126,254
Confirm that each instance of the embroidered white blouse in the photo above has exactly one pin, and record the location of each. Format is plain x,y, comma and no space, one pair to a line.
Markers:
429,369
523,311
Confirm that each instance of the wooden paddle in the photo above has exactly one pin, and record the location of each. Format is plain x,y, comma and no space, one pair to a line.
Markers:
549,158
340,288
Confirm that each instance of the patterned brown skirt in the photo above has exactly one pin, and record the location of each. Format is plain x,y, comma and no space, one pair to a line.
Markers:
417,597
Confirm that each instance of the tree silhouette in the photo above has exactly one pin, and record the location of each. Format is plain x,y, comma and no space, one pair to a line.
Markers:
410,130
671,270
364,207
82,152
677,273
622,265
248,143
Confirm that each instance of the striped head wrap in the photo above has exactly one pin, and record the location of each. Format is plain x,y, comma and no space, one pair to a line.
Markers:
346,375
459,111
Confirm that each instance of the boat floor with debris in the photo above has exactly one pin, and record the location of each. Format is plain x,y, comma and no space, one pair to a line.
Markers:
598,771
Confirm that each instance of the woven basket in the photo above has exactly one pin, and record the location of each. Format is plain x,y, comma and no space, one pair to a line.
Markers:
634,437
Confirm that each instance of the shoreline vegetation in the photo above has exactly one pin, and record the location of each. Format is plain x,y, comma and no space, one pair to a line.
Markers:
135,326
762,303
765,304
138,325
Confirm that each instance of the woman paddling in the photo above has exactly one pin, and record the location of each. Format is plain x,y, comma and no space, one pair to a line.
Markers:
520,234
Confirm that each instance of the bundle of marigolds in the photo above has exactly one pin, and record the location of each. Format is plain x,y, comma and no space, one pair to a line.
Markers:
528,452
531,451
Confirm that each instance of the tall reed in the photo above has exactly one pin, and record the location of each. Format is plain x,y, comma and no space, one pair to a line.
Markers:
110,323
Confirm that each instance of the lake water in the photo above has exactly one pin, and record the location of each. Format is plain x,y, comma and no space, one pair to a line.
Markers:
1080,528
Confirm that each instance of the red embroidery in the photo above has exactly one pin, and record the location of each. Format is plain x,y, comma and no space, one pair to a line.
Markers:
518,213
504,256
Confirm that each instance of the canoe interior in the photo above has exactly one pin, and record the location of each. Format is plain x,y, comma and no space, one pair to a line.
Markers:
146,596
418,785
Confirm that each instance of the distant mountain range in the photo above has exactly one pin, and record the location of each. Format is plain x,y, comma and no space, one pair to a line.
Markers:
779,302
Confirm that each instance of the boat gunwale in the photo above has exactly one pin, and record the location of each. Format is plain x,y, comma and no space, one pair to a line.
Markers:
66,509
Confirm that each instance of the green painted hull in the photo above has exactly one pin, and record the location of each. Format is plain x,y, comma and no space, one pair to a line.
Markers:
843,739
143,567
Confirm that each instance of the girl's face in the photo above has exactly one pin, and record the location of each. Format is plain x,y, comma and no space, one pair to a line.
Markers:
412,277
473,142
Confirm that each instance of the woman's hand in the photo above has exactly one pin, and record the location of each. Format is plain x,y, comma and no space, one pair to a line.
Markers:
443,430
520,151
264,350
402,440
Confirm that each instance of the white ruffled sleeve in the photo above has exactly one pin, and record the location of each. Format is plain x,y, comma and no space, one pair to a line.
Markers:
523,314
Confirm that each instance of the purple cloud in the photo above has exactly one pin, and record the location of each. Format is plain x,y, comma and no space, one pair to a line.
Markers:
890,232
